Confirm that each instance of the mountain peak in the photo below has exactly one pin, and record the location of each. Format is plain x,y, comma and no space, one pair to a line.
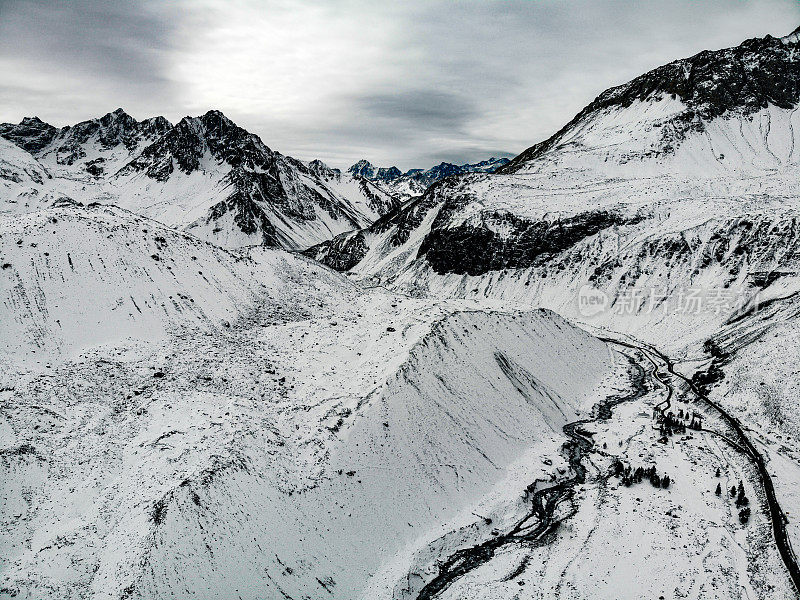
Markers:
31,134
323,171
737,81
363,168
388,173
792,38
216,115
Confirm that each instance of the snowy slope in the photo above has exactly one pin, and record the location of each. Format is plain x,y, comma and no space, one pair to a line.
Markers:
22,178
75,276
179,419
335,433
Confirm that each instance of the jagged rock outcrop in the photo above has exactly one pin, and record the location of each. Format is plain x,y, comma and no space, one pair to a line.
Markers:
31,134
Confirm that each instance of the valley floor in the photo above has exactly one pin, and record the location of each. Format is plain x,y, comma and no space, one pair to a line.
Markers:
619,541
272,430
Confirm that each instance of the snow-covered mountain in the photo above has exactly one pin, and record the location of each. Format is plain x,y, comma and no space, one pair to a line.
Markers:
179,419
205,175
414,182
683,177
668,211
719,112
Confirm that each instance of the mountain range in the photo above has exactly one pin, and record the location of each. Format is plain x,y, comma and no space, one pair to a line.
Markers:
226,372
414,182
205,175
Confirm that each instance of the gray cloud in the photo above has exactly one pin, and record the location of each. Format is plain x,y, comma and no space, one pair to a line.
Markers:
64,59
423,109
122,40
410,83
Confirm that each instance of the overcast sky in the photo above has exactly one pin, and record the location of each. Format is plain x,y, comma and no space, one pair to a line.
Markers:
408,83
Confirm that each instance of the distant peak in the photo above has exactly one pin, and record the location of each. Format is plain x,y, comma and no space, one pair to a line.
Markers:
158,120
215,114
211,120
364,168
116,115
323,171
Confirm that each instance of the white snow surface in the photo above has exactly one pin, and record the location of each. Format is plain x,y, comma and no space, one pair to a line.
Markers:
208,421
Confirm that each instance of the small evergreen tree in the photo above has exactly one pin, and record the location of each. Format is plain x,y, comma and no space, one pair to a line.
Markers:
718,491
744,516
741,499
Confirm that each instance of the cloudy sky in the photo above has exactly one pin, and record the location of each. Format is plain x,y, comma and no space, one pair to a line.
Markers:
410,83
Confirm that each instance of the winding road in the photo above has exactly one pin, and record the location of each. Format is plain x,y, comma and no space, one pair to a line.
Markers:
541,519
744,445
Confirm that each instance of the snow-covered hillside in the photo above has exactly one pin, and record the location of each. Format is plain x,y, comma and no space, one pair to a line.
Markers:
77,276
682,178
179,420
205,175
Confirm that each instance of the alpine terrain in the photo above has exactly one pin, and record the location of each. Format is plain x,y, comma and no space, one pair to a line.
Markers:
229,373
204,175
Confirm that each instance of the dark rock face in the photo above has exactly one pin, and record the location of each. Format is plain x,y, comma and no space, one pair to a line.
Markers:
476,248
95,167
322,171
186,142
30,134
342,253
111,130
388,174
247,215
362,168
377,200
743,79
